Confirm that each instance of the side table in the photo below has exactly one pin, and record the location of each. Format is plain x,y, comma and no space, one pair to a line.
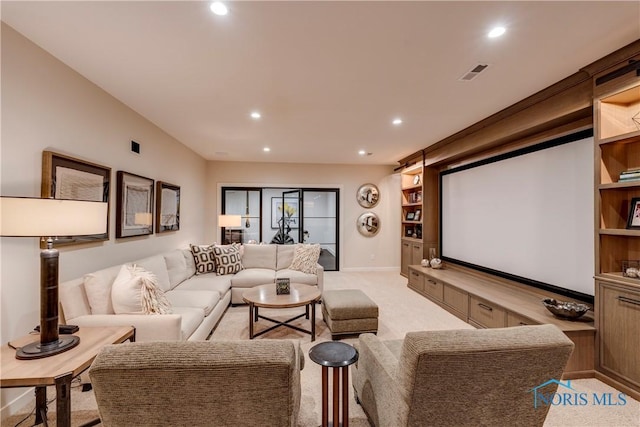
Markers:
57,370
339,356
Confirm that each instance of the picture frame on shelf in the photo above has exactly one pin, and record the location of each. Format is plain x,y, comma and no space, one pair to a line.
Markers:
633,223
167,207
410,216
69,178
408,232
417,215
134,205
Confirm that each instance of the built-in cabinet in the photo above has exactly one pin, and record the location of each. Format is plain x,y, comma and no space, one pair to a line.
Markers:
419,214
617,150
485,302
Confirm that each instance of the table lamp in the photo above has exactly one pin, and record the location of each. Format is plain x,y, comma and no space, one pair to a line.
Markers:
225,221
48,218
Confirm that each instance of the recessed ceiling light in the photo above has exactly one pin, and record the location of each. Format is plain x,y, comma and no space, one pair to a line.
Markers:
496,32
397,121
266,149
362,152
255,115
218,8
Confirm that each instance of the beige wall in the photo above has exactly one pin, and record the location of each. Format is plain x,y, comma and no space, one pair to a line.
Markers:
46,105
357,252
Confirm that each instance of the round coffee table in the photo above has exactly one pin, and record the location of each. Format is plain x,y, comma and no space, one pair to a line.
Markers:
265,296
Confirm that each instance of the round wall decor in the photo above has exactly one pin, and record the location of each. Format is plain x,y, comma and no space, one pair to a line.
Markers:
368,195
368,224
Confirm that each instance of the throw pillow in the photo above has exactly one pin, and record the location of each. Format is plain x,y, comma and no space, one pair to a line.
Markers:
305,258
99,294
204,259
228,259
136,291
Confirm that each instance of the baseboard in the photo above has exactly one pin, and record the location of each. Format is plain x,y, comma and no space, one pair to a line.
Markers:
18,403
361,269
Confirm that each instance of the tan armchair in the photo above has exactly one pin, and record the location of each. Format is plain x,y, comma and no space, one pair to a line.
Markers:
190,383
460,377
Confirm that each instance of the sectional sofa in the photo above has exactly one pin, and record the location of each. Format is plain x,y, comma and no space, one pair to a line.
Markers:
198,301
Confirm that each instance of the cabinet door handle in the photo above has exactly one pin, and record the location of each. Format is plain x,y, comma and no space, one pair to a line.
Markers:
629,300
416,247
523,324
486,307
433,282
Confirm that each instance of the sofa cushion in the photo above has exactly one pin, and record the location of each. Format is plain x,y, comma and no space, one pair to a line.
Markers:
305,258
227,259
97,286
259,256
204,259
207,282
136,291
251,277
156,265
206,300
297,276
285,256
191,319
176,267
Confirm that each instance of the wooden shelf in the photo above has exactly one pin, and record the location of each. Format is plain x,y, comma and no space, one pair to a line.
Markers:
620,185
619,232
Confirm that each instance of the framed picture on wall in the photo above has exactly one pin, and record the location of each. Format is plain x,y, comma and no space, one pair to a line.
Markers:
167,207
68,178
291,213
134,205
634,214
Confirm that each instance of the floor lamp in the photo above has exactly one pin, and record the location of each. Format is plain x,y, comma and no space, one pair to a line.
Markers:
47,218
226,221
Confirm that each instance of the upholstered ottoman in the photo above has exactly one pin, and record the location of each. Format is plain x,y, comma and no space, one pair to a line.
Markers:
348,312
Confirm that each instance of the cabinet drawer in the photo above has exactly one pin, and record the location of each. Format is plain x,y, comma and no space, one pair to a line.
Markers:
456,299
433,288
416,280
517,320
486,313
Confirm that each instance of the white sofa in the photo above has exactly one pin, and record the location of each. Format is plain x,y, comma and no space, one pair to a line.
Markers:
198,301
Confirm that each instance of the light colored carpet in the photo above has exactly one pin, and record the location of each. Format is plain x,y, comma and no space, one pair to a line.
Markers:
401,311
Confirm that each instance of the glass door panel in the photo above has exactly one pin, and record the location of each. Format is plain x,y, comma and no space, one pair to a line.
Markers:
320,224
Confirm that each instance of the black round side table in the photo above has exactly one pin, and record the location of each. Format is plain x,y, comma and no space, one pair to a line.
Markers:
339,356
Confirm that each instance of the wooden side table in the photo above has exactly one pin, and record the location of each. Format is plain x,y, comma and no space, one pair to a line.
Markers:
57,370
339,356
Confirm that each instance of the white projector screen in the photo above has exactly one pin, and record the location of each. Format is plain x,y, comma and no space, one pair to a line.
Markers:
528,216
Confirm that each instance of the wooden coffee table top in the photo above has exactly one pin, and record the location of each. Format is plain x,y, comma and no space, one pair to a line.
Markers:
265,296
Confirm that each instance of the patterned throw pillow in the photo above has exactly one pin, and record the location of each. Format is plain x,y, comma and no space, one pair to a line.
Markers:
228,260
136,291
305,258
204,259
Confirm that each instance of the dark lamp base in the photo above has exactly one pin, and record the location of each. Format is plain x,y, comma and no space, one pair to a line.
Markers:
38,350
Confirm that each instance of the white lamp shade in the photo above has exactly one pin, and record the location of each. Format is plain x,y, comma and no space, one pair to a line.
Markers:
24,217
229,220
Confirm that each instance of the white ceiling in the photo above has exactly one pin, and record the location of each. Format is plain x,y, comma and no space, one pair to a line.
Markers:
328,77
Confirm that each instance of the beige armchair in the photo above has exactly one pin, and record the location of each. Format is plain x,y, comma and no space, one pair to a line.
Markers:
190,383
461,377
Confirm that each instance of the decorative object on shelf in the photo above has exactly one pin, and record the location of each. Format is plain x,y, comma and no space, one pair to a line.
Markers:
167,207
45,219
408,232
410,216
416,217
634,214
368,195
436,263
631,268
565,309
418,231
425,263
134,205
432,253
68,178
283,286
368,224
416,180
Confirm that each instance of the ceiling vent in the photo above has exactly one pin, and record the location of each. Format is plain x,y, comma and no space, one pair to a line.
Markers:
474,72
